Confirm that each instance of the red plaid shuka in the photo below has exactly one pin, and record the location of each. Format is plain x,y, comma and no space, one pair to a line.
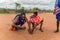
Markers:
36,19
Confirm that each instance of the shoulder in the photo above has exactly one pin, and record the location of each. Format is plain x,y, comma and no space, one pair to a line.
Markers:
38,16
17,16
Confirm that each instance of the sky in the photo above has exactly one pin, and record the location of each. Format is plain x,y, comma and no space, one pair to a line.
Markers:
42,4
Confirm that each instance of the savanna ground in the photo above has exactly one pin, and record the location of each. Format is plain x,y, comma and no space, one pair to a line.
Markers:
49,27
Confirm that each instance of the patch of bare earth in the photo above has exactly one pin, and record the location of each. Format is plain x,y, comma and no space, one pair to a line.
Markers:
49,27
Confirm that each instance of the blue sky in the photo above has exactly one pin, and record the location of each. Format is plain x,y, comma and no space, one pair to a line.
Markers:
42,4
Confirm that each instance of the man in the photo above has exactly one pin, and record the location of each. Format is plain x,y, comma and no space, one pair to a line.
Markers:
57,12
34,21
19,21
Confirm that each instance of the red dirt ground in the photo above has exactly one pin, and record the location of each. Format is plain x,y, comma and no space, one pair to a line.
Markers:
49,27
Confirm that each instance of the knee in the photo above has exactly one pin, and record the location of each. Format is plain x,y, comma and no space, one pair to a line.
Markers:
41,21
29,22
13,25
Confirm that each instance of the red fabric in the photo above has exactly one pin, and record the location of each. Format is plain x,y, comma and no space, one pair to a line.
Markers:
35,19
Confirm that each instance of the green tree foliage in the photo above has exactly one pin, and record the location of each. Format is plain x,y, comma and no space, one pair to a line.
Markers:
22,9
17,5
35,9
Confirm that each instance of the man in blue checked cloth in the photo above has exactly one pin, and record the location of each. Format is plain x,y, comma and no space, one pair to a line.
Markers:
57,12
19,21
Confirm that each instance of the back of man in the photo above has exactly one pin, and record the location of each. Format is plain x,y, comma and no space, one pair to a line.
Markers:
18,21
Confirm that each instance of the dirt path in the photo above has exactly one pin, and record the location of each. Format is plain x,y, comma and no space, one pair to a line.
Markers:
49,26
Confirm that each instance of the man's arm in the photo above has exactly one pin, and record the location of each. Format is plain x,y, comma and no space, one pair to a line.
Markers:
55,7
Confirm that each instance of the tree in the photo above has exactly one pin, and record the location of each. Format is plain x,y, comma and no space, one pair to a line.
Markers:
17,5
43,10
22,9
35,9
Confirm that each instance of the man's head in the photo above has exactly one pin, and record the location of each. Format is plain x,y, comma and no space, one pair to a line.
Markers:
35,13
23,15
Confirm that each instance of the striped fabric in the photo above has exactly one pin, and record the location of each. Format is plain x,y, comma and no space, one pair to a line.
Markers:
57,9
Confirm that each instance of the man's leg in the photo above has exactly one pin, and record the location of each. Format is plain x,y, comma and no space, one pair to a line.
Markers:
18,26
33,27
57,26
41,23
14,27
29,25
22,27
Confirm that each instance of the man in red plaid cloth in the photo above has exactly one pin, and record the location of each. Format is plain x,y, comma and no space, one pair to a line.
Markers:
35,20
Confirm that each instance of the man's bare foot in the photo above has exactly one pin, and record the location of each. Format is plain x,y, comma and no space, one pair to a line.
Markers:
56,31
13,29
30,31
41,30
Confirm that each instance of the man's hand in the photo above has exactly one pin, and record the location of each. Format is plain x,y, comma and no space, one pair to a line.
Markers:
54,12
